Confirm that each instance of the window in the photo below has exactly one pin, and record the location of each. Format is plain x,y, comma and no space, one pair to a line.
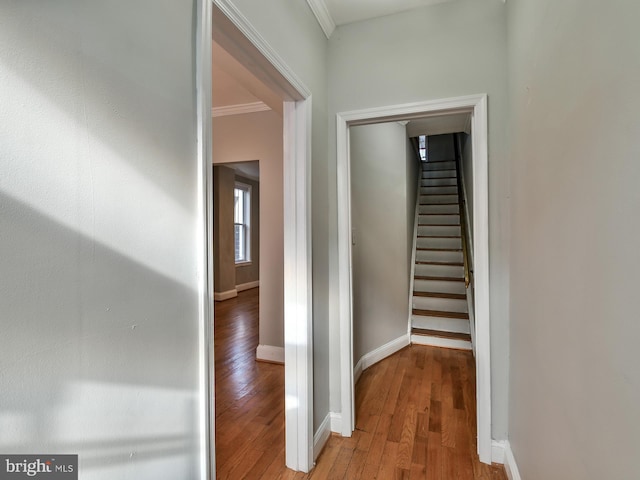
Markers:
422,146
241,216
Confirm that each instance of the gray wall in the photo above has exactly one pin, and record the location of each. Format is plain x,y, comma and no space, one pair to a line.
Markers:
440,148
224,278
379,222
98,182
413,172
248,273
227,275
451,49
575,381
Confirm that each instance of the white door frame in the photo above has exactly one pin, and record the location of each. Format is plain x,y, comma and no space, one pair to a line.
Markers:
476,105
252,49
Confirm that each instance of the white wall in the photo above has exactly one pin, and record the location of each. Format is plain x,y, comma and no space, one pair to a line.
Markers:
575,382
258,136
379,223
98,182
466,142
446,50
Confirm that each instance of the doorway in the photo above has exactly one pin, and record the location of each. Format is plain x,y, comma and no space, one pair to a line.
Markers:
476,106
217,21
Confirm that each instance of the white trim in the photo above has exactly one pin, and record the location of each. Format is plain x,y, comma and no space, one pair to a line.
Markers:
336,422
269,353
322,14
379,354
258,41
247,286
298,288
244,41
441,342
321,436
239,109
416,220
510,465
204,247
497,451
477,106
222,296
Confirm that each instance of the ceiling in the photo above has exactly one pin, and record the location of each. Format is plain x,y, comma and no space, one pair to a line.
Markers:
348,11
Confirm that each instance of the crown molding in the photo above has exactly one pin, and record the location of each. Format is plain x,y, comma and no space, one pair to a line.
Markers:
239,109
320,10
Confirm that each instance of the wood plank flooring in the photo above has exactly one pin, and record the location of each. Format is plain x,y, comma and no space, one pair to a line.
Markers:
415,412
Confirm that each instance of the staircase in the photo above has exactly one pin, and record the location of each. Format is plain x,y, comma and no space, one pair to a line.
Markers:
439,302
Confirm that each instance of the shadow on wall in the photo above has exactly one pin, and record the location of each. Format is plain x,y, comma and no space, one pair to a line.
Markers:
84,375
99,349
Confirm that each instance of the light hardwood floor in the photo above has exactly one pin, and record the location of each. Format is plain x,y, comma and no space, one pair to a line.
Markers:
415,412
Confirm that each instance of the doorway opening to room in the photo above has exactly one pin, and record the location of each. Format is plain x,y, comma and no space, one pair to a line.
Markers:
434,209
260,412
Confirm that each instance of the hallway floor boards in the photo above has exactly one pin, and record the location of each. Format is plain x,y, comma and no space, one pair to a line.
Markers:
415,412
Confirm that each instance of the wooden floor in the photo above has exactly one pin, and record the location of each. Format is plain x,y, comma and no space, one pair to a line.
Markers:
415,412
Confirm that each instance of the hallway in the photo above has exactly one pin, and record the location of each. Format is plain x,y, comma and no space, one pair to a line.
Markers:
415,412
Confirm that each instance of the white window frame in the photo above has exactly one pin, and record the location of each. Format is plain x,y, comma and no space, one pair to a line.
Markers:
247,221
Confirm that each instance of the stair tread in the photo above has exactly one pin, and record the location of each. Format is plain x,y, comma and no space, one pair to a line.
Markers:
438,224
435,204
440,334
454,296
439,236
445,264
439,249
441,279
441,314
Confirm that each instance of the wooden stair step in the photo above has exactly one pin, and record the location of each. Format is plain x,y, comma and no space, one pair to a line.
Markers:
438,279
446,264
438,313
453,296
439,249
440,334
439,236
438,224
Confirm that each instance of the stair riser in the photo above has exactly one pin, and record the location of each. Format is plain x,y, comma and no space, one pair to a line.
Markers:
436,256
438,190
447,230
452,271
441,342
440,324
439,174
448,243
439,304
438,199
439,220
438,209
438,166
438,182
438,286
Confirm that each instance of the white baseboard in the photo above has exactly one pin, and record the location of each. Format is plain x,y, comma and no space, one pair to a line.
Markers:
497,451
269,353
380,353
247,286
321,436
221,296
336,422
501,453
510,465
